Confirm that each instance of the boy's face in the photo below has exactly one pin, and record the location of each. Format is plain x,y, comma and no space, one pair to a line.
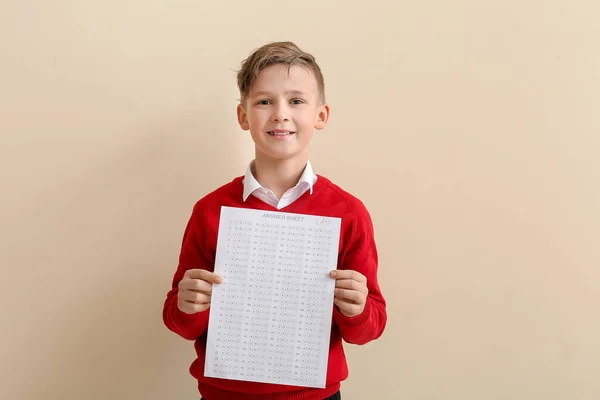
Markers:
281,112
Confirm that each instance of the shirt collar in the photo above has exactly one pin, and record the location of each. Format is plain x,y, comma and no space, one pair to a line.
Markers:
251,184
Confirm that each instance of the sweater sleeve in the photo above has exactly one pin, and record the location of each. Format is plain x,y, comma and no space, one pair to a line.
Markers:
360,254
192,256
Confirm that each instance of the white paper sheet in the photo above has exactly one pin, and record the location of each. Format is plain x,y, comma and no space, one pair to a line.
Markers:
270,319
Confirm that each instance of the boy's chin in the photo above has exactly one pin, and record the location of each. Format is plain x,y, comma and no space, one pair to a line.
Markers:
282,155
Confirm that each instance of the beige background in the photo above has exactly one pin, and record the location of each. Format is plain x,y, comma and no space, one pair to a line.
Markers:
470,129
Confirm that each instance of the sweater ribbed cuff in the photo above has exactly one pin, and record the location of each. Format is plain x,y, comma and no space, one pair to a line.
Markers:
191,326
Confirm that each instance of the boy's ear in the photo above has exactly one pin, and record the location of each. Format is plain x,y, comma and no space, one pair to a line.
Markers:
322,117
242,117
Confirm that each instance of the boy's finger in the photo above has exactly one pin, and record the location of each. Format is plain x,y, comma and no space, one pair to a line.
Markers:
198,301
204,275
348,274
350,295
198,298
201,286
196,286
192,308
194,297
351,285
348,308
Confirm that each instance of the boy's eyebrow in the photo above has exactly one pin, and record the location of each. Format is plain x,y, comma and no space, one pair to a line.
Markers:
267,93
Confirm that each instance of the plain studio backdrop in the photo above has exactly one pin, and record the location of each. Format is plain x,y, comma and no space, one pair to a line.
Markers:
470,129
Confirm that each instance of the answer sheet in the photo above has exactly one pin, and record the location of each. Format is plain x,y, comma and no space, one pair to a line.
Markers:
270,319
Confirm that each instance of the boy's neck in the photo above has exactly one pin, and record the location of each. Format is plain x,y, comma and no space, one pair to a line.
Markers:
279,175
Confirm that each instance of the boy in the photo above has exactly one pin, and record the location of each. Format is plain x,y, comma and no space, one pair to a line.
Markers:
282,102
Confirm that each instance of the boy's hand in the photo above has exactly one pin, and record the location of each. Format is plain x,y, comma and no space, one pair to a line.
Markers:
351,292
195,290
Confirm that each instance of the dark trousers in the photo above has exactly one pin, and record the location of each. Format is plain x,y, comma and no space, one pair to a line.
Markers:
337,396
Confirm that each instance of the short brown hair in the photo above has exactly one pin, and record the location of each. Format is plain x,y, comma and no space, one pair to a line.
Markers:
286,53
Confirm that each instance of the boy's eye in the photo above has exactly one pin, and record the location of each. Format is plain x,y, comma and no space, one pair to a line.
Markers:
297,101
263,102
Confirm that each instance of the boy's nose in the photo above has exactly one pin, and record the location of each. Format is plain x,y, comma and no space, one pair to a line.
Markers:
281,114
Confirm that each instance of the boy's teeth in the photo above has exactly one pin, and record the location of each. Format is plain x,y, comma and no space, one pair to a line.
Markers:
280,134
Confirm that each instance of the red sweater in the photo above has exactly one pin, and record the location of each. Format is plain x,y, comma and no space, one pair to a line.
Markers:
357,251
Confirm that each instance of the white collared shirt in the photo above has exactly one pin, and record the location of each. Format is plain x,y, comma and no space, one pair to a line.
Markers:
252,187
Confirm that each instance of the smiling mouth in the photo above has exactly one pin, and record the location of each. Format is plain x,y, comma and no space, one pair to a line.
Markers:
281,133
